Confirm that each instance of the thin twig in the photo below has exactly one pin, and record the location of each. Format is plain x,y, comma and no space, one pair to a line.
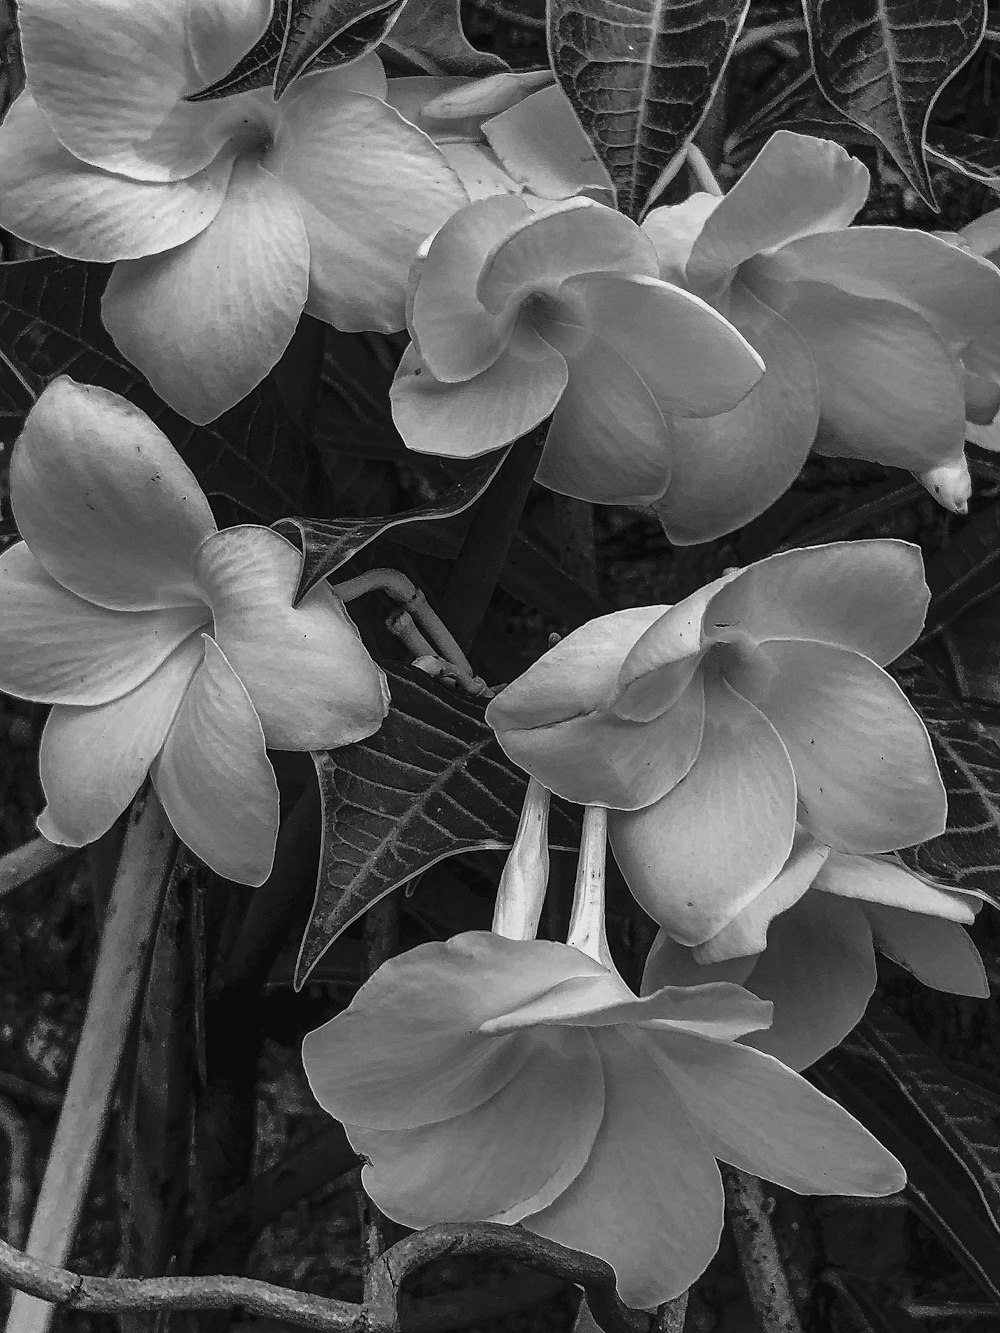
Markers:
14,1129
757,1246
146,860
22,865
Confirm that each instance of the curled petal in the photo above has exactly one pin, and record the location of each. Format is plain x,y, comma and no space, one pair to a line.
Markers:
869,596
511,1155
578,236
57,648
796,185
207,321
866,773
311,679
52,199
600,759
691,359
608,442
938,953
115,100
541,145
884,881
456,336
370,187
214,778
697,856
497,406
746,933
94,760
728,468
757,1115
654,1214
819,972
674,230
407,1051
106,503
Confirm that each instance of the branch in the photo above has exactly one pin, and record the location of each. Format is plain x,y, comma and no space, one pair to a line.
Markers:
763,1271
31,860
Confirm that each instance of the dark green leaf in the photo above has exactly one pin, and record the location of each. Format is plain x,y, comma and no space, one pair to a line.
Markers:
329,543
254,69
430,783
640,77
428,35
967,854
872,1312
337,30
50,324
964,571
949,1146
971,154
882,63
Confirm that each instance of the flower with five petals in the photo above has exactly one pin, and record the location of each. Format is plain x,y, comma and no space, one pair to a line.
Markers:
228,217
515,315
165,646
862,330
708,727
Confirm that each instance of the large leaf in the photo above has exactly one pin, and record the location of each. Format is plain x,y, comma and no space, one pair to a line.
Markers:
882,63
329,543
430,783
967,854
336,30
641,76
965,571
971,154
428,35
948,1144
50,324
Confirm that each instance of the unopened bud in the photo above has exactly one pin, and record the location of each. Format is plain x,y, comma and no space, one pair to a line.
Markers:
950,484
525,876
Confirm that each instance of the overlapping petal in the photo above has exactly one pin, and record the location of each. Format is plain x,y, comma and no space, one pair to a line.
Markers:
52,199
729,467
541,145
207,321
116,101
796,185
117,740
492,409
220,31
869,596
311,679
674,229
938,953
57,648
370,187
697,856
214,778
643,1193
105,502
869,786
884,881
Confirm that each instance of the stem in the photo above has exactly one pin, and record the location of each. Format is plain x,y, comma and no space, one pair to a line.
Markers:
146,862
480,562
701,171
757,1246
587,931
381,937
670,1318
30,861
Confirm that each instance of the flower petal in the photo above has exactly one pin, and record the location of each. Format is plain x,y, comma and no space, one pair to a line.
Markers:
819,972
214,778
796,185
407,1050
220,31
514,1153
869,596
206,322
94,760
884,881
866,773
495,407
311,679
541,144
938,953
691,359
456,336
762,1118
600,759
57,648
370,187
746,933
106,503
672,964
649,1201
578,236
52,199
110,76
702,852
608,442
955,291
890,390
728,468
674,229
